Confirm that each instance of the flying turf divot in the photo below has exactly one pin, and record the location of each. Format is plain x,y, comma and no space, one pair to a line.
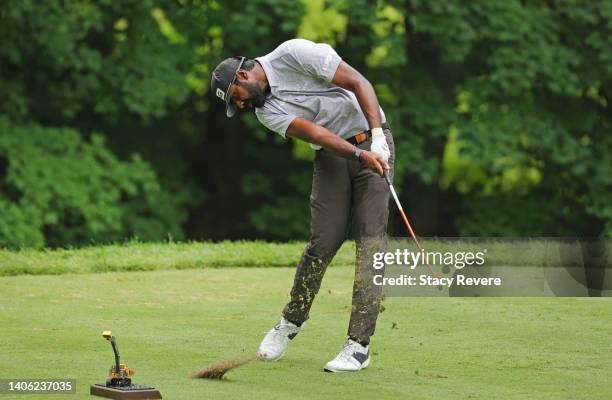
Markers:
218,370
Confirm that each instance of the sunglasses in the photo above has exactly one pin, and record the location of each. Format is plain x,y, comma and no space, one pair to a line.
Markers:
234,79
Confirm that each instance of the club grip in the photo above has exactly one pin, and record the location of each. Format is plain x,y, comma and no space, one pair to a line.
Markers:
386,175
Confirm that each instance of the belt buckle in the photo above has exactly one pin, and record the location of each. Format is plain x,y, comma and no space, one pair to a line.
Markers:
361,137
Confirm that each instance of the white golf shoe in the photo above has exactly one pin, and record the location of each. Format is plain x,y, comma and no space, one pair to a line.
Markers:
275,343
353,357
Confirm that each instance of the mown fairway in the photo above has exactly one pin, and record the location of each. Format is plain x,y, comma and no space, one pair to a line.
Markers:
170,323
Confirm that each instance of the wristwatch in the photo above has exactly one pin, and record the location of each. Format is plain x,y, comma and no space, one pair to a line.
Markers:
358,152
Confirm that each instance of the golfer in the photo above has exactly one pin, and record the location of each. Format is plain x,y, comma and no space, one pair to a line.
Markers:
304,90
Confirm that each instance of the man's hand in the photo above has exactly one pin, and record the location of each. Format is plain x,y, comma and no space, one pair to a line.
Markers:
312,133
374,162
379,144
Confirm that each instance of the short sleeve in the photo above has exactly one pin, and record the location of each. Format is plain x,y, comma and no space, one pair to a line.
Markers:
276,122
319,60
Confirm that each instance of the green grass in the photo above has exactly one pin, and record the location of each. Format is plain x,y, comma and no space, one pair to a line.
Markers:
135,256
170,323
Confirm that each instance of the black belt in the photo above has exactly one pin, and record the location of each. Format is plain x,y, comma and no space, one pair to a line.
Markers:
363,136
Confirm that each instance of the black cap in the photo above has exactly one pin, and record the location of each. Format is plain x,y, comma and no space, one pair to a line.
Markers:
223,77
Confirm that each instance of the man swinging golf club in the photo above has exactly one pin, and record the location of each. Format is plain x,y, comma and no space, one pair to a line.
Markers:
304,90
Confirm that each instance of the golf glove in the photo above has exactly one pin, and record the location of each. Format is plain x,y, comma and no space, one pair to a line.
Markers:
379,144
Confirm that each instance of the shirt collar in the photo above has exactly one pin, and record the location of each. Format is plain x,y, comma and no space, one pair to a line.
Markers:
268,70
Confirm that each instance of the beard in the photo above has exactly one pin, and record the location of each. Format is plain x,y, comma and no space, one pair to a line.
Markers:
257,97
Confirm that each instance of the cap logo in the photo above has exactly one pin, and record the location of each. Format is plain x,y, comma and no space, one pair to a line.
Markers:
220,94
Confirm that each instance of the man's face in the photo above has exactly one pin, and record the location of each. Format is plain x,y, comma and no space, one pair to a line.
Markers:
245,93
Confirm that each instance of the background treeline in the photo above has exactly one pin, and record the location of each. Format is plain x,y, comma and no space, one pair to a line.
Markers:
500,110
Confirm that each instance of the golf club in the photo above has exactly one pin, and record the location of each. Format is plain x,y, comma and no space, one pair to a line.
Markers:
401,210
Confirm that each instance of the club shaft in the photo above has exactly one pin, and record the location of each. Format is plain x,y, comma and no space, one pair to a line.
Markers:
403,214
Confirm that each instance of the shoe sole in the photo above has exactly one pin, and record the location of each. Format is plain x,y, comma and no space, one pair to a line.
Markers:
262,358
363,366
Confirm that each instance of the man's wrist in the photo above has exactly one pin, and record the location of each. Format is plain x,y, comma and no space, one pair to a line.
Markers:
377,132
358,152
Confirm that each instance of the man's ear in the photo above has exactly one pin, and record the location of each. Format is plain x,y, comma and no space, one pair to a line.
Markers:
242,75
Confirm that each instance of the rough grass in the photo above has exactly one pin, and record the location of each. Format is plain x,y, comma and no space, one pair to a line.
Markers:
135,256
171,323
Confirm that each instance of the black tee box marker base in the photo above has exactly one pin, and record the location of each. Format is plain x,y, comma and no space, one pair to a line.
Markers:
125,394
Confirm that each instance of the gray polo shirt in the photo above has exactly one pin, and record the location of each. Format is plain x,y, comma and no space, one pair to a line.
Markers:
299,73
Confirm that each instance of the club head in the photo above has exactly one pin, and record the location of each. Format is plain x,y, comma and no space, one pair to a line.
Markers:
108,335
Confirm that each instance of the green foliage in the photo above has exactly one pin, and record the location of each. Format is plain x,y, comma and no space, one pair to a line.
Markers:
80,56
110,67
56,188
513,215
166,27
389,29
492,103
322,22
285,212
302,150
533,118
